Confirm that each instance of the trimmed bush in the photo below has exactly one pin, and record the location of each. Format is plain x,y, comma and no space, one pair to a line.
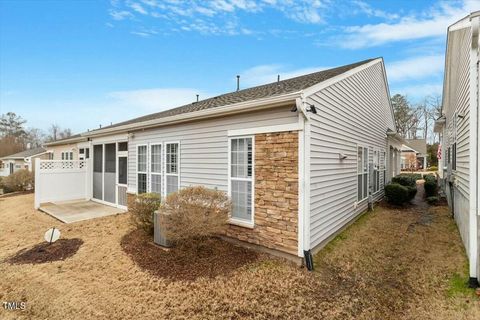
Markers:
396,193
141,210
412,191
432,200
194,213
430,185
406,180
20,180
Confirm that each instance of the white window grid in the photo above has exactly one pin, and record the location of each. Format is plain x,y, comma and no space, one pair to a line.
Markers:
242,173
142,166
362,172
155,167
172,167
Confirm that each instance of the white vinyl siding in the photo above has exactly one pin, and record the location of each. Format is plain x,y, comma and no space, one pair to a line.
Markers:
456,135
203,144
241,178
350,113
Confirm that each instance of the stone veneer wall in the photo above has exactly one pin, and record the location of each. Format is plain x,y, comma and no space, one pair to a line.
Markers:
276,194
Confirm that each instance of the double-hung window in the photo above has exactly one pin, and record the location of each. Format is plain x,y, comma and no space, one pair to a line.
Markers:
156,168
454,145
142,158
383,167
241,178
362,173
376,171
171,167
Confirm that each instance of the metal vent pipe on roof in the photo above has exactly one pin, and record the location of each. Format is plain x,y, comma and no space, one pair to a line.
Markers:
197,97
238,82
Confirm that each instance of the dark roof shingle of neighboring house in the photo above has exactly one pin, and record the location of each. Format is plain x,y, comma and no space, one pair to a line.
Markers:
420,145
267,90
64,140
25,153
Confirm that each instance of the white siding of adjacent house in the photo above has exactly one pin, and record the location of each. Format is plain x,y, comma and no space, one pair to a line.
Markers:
457,100
204,145
353,111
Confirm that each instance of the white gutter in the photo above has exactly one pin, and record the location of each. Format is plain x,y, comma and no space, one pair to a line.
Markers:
474,146
253,105
65,141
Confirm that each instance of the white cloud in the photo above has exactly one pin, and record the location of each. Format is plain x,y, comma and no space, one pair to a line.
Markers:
120,15
415,68
432,23
419,91
217,17
144,33
268,73
372,12
158,99
137,7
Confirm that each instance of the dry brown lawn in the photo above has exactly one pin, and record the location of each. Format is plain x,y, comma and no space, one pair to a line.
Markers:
391,264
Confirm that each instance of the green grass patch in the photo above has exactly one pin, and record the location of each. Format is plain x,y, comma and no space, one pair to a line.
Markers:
458,285
342,236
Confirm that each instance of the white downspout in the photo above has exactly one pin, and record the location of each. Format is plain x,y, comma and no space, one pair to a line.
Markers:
474,145
304,178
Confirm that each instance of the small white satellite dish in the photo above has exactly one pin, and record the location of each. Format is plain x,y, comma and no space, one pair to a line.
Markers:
52,235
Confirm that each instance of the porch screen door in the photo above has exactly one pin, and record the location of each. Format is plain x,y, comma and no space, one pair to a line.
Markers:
98,172
110,173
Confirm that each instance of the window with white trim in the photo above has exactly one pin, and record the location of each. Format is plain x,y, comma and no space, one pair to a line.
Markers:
67,155
376,171
454,145
171,167
156,168
383,167
362,173
142,158
241,178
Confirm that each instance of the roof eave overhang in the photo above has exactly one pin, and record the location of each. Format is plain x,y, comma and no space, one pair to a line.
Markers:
439,124
396,136
253,105
64,141
12,158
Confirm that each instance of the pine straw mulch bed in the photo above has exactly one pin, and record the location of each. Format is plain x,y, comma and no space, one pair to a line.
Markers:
46,252
209,258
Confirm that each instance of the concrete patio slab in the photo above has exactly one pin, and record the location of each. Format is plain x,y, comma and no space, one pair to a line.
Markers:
78,210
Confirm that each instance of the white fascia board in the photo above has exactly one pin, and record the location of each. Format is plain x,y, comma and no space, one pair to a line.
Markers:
259,104
319,86
269,129
387,87
65,141
110,138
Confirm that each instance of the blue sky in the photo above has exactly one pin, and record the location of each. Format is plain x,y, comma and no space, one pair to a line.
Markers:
80,64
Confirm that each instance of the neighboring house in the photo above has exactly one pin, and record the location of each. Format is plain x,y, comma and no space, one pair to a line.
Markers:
459,127
21,160
300,158
414,154
75,147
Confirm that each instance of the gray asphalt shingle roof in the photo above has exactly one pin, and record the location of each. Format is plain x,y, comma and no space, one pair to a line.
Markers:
25,153
268,90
